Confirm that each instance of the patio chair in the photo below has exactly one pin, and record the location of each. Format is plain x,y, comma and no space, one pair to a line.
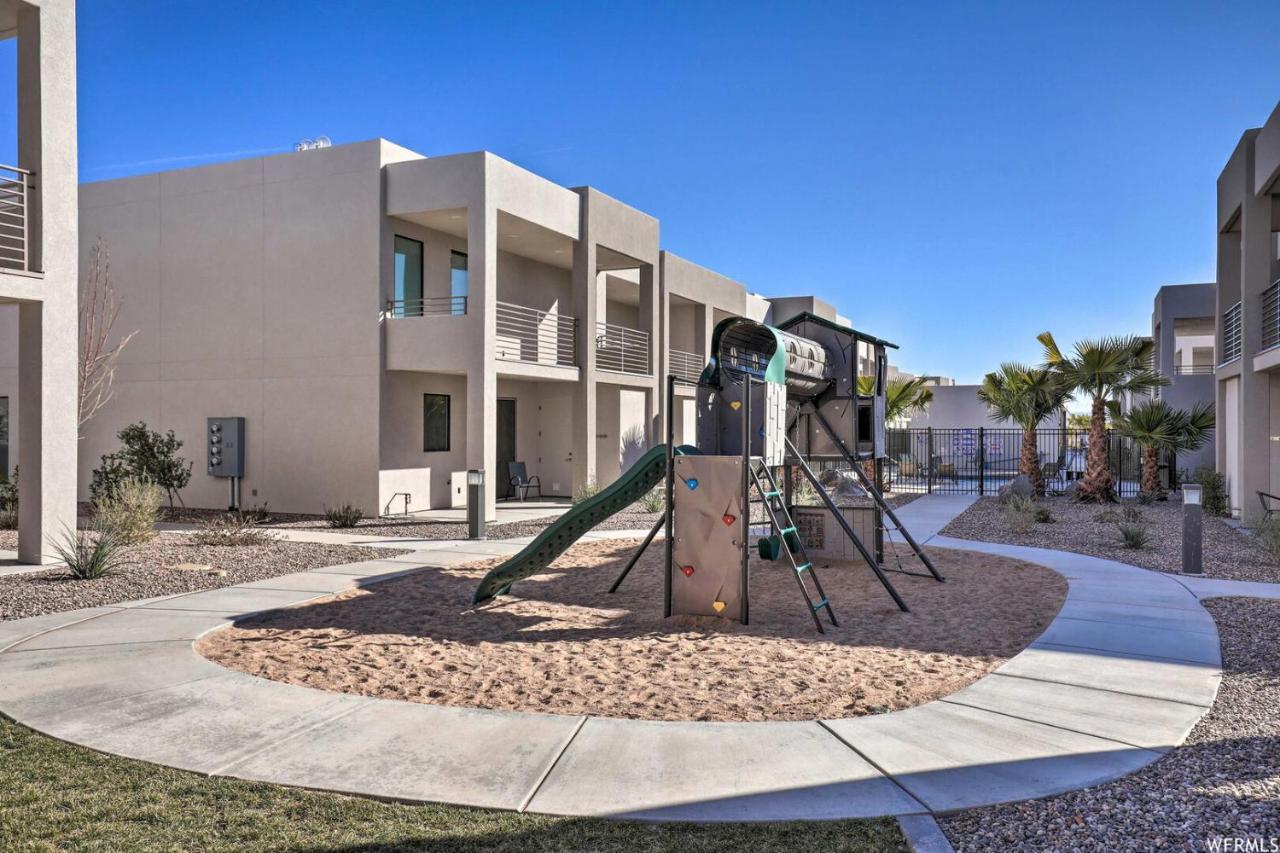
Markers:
1269,508
521,482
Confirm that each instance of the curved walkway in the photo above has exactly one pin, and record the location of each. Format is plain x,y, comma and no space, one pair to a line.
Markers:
1120,676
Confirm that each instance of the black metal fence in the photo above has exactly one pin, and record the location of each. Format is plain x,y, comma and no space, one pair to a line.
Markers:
979,460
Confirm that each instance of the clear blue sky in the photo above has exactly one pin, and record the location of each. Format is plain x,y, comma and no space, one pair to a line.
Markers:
955,177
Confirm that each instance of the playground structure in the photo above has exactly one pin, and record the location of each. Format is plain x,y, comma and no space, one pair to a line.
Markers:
771,403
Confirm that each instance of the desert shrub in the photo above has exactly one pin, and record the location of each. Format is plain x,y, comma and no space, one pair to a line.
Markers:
1135,535
1020,512
130,512
655,500
346,515
232,530
1133,515
1214,485
587,490
1107,516
144,454
89,555
1147,498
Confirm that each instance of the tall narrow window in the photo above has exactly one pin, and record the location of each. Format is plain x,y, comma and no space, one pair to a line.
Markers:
435,422
458,283
408,273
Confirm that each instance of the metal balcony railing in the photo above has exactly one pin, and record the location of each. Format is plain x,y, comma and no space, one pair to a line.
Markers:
1231,334
431,306
535,337
1271,316
686,365
1192,369
622,350
15,219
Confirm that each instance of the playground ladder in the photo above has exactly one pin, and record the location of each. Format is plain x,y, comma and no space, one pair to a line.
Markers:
787,533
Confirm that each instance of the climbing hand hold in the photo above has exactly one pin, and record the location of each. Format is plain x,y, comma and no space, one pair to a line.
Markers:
692,483
728,519
688,571
735,405
717,606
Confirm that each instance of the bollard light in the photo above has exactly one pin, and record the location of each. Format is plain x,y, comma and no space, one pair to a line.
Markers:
475,503
1192,513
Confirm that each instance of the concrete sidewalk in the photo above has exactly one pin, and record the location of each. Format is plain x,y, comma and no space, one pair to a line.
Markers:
1121,676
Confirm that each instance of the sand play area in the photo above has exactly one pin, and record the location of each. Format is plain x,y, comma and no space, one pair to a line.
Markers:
560,644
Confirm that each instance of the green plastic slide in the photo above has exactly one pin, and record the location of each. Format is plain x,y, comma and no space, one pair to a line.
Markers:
647,472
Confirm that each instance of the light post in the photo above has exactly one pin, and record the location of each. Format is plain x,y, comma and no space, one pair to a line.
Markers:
1192,512
475,504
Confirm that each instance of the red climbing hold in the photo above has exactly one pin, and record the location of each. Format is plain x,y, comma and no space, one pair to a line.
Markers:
729,520
688,570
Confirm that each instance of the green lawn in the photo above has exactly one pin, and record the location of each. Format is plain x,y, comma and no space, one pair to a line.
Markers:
57,796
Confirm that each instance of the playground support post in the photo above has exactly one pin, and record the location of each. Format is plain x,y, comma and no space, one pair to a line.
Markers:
668,514
631,564
745,584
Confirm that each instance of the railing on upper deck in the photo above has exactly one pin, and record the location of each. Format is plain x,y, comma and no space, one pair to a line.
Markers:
431,306
622,350
535,337
15,219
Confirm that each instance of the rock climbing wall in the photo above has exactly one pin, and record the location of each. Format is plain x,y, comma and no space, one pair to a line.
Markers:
707,573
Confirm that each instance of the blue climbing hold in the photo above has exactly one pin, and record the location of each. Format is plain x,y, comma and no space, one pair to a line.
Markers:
691,483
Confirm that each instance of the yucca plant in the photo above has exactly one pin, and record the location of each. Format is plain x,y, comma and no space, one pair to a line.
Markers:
89,555
1105,370
1026,396
1158,427
346,515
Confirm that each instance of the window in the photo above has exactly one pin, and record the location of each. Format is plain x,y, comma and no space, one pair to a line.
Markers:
435,422
458,283
408,272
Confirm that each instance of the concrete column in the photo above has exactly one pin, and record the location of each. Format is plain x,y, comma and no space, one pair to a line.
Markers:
586,307
654,320
482,379
48,329
47,424
1255,387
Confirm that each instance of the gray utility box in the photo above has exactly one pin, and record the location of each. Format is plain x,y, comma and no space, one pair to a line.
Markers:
225,441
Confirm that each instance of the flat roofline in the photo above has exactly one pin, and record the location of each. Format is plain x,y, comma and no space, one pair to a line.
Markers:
823,321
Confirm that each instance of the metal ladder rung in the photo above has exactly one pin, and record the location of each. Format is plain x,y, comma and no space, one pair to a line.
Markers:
804,568
784,531
821,604
772,494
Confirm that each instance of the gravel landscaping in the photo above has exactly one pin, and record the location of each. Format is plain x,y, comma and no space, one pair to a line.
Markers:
151,572
1223,782
1228,552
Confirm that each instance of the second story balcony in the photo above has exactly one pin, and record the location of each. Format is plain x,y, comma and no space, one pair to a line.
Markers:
1232,338
535,337
431,306
686,365
15,219
1271,316
622,350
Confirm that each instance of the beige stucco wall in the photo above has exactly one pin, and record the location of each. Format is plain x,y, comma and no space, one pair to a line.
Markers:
245,304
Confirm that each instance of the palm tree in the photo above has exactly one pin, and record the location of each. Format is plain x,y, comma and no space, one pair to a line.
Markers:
1157,426
902,397
1026,396
1105,369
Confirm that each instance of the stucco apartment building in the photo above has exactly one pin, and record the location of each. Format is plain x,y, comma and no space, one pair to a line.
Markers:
1248,317
1182,327
38,274
385,320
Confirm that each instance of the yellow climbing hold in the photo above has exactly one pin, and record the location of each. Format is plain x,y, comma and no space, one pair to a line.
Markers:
718,606
735,405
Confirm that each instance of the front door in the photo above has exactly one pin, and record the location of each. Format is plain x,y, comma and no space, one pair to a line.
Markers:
506,445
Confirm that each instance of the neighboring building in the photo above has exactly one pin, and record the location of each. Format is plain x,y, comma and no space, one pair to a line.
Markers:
1247,317
958,407
38,276
1182,327
895,374
385,320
